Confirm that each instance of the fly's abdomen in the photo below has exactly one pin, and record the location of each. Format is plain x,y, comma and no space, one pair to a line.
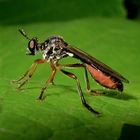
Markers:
105,80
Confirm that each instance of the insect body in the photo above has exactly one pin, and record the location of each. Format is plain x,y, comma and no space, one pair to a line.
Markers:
55,49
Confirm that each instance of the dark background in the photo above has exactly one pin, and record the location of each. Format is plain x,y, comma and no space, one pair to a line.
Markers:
20,12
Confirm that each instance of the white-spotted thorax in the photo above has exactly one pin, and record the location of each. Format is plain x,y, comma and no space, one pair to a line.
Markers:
52,50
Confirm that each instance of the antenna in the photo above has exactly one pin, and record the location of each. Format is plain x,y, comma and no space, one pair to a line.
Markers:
23,33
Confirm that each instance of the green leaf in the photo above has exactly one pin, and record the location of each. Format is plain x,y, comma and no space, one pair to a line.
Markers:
61,115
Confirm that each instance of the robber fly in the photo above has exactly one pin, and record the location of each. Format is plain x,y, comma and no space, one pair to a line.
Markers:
54,49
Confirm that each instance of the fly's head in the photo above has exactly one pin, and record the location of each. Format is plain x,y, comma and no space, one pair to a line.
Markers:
33,46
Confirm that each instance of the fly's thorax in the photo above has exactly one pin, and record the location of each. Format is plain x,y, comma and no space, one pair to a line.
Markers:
53,51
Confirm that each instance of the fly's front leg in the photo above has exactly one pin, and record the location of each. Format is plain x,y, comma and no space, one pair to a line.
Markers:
73,76
29,73
50,80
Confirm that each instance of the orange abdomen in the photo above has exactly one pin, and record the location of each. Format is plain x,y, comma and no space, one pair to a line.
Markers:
103,79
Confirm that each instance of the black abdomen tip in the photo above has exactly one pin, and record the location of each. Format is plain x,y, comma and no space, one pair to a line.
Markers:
120,86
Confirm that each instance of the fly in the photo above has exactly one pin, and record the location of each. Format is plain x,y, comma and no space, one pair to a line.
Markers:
54,49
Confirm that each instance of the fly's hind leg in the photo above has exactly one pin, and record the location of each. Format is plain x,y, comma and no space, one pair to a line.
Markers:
73,76
28,74
89,90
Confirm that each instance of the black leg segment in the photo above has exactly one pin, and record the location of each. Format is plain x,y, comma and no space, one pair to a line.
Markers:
71,75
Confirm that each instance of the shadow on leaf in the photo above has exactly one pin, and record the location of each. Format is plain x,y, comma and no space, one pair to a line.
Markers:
130,131
96,92
114,94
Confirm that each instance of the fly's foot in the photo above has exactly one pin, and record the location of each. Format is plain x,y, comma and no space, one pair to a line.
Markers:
18,84
52,83
41,98
96,92
14,82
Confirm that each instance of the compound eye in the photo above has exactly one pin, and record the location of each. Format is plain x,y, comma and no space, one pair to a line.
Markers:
32,47
31,44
